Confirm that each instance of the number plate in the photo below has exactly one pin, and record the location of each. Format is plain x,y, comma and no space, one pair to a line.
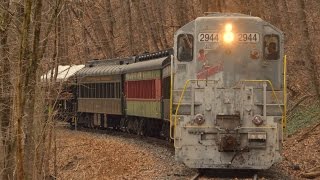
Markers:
248,37
241,37
208,37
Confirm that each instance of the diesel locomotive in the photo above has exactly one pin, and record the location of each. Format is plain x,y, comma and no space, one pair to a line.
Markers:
219,94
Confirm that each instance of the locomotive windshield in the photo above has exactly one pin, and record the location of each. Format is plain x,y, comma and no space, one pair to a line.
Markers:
271,47
185,47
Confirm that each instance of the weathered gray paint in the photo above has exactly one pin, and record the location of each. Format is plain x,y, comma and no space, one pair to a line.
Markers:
223,94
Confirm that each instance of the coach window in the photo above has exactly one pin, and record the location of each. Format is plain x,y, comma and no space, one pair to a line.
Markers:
85,90
103,90
82,92
117,90
88,90
87,86
92,90
271,47
112,90
108,90
185,47
98,90
79,91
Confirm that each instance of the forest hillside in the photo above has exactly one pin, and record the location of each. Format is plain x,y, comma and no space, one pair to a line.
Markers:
114,28
39,35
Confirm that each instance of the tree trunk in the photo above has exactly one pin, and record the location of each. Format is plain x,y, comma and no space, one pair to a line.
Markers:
309,47
6,145
20,95
29,90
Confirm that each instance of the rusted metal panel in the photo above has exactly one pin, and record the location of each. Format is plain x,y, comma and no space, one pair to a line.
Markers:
144,108
107,106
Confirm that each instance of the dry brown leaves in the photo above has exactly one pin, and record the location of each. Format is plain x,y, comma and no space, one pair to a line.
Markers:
84,155
301,152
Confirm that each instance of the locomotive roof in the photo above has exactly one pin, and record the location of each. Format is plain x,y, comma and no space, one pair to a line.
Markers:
219,14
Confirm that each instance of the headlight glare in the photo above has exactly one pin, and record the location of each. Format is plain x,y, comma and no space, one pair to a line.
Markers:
228,27
228,37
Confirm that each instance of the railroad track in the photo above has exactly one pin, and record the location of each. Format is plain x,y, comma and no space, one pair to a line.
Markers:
124,134
224,175
196,176
203,174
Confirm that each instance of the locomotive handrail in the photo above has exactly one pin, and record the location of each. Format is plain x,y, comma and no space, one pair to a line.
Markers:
243,127
176,113
180,99
284,119
284,114
273,92
191,80
171,91
282,111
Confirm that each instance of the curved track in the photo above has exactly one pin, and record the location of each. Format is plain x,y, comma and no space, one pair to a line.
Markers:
216,174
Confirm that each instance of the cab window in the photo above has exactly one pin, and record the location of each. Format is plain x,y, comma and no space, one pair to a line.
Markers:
271,47
185,47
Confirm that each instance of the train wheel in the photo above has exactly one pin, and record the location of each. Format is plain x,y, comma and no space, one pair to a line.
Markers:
141,129
255,177
130,126
124,124
136,126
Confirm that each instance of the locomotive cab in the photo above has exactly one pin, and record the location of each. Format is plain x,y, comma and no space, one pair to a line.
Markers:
228,94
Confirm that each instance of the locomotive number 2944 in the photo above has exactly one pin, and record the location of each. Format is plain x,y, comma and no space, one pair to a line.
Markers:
208,37
241,37
248,37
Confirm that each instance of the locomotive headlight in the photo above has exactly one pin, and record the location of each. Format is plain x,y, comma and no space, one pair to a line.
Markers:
228,36
228,27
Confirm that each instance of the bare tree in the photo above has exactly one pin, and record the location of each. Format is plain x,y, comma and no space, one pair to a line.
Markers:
6,145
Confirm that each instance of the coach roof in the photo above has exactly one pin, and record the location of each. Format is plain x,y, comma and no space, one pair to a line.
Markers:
101,70
148,65
105,70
